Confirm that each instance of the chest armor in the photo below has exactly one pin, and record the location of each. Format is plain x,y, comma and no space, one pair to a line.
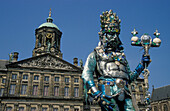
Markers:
115,67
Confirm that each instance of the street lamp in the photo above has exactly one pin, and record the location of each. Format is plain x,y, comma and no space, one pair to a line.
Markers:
146,42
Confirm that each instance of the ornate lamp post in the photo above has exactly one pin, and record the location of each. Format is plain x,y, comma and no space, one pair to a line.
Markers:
146,42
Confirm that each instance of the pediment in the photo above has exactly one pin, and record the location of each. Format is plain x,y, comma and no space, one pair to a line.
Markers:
46,61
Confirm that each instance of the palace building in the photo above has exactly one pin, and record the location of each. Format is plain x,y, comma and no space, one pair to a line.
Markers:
44,82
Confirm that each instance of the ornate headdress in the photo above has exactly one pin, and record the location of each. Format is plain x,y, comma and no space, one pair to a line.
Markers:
110,23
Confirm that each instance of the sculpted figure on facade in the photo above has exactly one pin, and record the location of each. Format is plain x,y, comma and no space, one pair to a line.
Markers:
108,62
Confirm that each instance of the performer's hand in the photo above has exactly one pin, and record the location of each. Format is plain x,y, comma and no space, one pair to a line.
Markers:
146,60
103,100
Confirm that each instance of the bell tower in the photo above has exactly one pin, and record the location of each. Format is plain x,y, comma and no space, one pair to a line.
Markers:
48,38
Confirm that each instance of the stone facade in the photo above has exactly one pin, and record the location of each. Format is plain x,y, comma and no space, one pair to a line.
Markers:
30,85
138,94
160,100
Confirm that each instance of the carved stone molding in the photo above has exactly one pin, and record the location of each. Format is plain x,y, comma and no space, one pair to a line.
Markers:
47,62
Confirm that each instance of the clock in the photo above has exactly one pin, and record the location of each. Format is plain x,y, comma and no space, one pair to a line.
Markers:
49,35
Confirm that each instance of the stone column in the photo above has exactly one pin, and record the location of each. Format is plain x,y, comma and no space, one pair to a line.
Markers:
1,106
41,85
50,107
61,107
7,84
52,40
44,39
81,108
62,86
18,84
72,108
16,107
28,107
39,107
51,85
36,43
81,93
30,86
72,86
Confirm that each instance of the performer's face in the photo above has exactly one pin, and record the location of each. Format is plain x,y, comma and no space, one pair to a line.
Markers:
111,41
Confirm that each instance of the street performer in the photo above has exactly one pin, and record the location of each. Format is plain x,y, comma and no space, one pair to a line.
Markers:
108,62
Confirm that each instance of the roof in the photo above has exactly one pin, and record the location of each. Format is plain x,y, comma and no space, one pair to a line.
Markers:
161,93
3,64
49,24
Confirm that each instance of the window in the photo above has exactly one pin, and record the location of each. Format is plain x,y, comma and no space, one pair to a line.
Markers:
46,90
24,89
33,109
46,78
55,109
56,91
141,98
14,76
165,107
21,108
76,80
76,109
2,91
9,109
36,77
66,80
44,109
66,91
56,79
132,87
3,81
66,109
76,92
35,90
140,88
25,77
12,89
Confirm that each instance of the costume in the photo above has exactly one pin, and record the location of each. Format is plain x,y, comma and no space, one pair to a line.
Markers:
109,63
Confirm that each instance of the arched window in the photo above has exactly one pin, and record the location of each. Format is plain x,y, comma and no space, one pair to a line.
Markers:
165,107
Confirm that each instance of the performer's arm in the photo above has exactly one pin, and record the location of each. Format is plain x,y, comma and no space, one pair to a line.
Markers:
88,72
144,63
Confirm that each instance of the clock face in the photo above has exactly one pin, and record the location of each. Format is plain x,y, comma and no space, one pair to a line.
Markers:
49,35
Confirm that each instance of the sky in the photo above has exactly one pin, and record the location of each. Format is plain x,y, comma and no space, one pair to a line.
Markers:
79,21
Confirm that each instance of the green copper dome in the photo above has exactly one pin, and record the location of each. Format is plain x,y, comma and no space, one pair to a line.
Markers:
49,22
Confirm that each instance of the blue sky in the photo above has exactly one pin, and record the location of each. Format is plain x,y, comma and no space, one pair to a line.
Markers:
80,23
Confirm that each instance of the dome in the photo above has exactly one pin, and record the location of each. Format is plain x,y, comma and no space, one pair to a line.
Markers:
48,24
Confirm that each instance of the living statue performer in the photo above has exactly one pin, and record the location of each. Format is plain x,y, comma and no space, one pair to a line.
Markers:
109,63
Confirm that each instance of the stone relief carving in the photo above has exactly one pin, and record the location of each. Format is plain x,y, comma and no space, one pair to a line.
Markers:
47,62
